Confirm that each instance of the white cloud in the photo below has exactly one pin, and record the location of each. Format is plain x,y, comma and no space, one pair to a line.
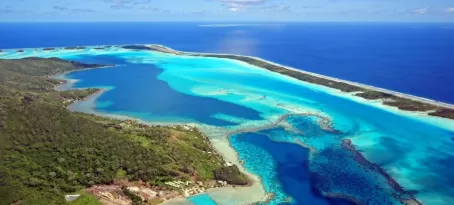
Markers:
421,10
236,5
244,1
450,9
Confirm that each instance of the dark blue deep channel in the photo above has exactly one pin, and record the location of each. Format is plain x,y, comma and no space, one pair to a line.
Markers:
138,93
292,170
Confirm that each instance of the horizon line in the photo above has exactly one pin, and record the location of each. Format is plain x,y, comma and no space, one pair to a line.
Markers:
238,22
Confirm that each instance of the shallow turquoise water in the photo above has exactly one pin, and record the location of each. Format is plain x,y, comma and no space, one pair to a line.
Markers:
202,199
417,151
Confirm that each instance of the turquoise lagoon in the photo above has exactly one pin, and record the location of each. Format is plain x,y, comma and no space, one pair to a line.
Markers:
301,159
202,199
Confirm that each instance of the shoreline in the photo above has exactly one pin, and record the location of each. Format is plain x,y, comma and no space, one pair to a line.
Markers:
225,148
389,100
250,194
119,115
346,143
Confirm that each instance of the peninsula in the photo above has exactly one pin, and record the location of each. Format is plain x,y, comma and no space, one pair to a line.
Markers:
48,151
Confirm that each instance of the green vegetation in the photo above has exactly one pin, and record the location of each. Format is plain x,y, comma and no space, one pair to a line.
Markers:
395,101
373,95
85,199
137,47
136,200
231,174
155,201
443,112
75,48
47,151
407,104
77,94
121,174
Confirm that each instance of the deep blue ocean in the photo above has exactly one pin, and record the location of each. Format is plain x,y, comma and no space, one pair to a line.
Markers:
413,58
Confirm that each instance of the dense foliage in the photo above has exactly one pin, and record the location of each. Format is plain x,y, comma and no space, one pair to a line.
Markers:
230,174
47,151
136,200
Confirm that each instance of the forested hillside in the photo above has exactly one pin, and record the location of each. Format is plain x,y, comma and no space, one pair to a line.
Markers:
47,151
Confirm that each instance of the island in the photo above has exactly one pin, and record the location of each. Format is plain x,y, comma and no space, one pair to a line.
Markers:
390,98
48,49
138,47
50,155
75,48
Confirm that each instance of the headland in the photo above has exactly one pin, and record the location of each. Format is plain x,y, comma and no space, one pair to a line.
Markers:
28,99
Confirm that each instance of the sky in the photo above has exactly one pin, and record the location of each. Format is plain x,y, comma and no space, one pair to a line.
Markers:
227,10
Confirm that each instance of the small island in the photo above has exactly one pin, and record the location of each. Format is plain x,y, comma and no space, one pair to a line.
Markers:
137,47
48,49
75,48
